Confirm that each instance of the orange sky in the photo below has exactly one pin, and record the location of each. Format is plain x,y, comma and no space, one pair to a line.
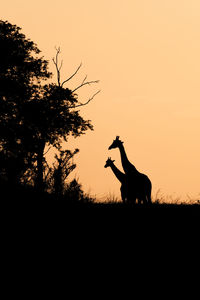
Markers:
146,54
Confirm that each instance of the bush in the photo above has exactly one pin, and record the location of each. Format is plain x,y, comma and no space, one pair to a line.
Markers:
74,193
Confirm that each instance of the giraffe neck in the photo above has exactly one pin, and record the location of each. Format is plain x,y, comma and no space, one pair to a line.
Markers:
127,166
120,176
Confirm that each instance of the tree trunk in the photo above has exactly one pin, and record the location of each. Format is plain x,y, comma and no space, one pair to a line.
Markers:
40,168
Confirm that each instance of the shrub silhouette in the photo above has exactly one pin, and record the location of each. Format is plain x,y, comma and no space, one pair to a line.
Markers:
74,194
57,175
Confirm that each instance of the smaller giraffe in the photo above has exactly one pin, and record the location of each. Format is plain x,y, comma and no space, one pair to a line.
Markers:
141,182
127,196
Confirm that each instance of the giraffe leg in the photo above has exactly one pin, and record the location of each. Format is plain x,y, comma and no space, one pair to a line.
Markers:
142,199
148,194
149,201
131,198
149,198
123,196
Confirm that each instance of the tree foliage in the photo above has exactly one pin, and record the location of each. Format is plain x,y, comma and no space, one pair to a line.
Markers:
33,113
21,71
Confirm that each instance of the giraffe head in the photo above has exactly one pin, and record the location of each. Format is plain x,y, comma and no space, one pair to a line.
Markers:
109,162
116,143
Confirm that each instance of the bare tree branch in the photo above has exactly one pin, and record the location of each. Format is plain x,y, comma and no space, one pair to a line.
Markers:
48,150
90,99
55,61
71,75
61,64
84,79
85,83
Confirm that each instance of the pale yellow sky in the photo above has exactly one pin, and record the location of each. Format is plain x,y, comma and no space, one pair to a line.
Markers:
146,54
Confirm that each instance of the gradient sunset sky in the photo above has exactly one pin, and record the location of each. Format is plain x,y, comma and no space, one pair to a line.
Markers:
146,54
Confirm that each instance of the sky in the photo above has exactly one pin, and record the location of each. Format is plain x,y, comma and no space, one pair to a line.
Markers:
146,54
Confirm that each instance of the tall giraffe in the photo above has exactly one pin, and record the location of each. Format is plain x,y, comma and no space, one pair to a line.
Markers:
125,188
141,182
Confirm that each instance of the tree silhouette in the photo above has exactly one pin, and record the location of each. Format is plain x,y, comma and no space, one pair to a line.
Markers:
33,114
53,116
21,72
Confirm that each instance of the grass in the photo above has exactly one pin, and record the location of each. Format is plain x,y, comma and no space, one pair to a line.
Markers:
28,194
27,204
43,217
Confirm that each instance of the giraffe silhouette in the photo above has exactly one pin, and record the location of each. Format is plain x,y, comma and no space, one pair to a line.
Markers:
127,194
140,182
